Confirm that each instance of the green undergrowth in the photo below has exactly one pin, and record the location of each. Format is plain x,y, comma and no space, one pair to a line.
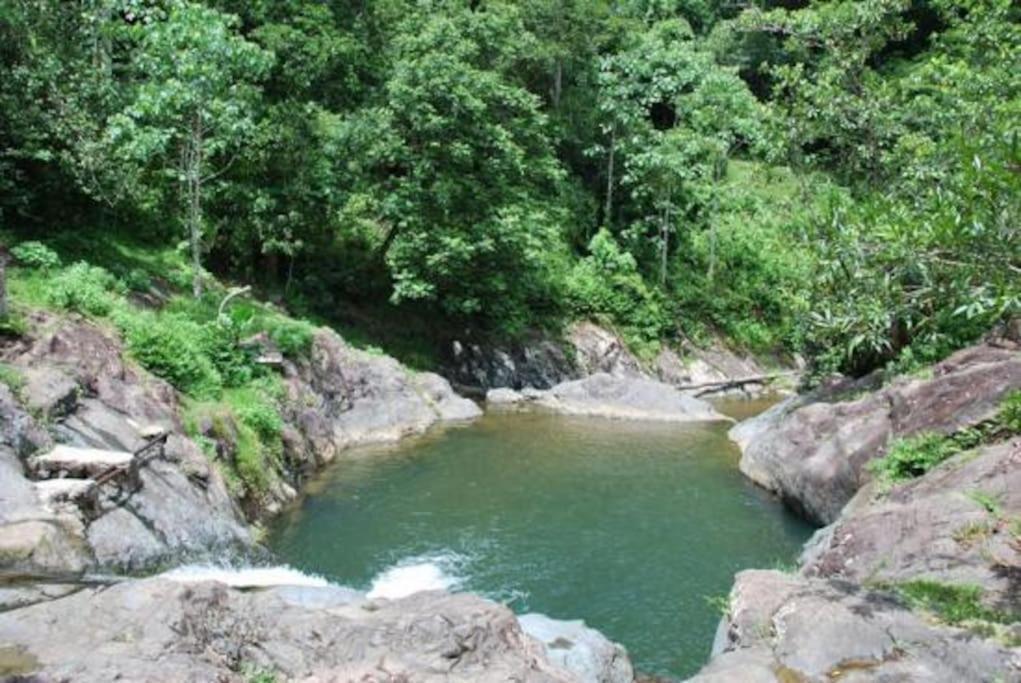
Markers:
242,433
913,456
957,605
210,356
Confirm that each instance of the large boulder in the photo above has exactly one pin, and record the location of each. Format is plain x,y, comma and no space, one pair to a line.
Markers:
159,630
813,450
583,651
956,525
98,406
536,361
782,627
604,395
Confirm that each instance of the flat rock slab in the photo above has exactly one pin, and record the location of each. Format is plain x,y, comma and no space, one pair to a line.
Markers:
58,490
79,461
158,630
583,651
604,395
782,627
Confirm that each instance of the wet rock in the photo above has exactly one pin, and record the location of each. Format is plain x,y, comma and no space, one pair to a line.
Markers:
583,651
157,630
503,397
603,395
786,627
813,451
448,405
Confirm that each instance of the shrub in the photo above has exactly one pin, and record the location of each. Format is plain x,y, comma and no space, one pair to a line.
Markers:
293,337
606,284
914,456
235,364
12,378
86,289
13,325
256,411
1010,413
34,254
172,347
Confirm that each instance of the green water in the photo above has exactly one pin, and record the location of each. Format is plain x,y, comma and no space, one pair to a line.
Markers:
630,526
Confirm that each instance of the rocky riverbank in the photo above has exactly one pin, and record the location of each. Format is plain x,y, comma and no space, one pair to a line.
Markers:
917,580
160,630
80,408
78,390
541,363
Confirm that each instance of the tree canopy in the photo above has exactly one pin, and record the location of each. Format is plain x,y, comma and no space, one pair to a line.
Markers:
837,178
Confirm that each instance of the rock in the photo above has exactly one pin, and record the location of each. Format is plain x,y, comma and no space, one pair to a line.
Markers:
152,431
448,405
366,398
79,462
54,491
536,361
503,397
20,434
159,630
52,545
96,425
813,451
49,391
603,395
599,350
934,528
583,651
791,628
120,540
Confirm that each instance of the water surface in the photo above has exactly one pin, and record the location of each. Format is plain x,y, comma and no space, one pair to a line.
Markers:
633,527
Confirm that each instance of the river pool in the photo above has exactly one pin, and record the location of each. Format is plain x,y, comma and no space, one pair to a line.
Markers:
635,527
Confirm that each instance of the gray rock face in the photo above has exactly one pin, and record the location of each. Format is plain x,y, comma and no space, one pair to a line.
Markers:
536,362
583,651
157,630
599,350
791,628
937,528
813,452
603,395
77,377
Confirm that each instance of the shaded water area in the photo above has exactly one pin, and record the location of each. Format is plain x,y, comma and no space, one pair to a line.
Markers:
634,527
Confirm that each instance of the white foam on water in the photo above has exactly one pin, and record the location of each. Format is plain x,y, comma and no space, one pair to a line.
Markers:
416,574
245,577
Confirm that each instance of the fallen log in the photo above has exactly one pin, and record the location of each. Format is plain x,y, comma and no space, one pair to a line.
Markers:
720,385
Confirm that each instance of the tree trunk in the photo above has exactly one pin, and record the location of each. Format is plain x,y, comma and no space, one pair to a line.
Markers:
608,209
3,286
194,198
664,239
558,83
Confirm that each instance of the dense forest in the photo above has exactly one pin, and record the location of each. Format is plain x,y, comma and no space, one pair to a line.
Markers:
836,178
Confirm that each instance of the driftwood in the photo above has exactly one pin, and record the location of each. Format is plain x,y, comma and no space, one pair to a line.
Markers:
720,385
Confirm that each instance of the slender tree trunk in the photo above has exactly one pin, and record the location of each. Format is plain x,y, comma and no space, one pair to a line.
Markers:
558,83
3,286
608,209
387,242
664,246
194,198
